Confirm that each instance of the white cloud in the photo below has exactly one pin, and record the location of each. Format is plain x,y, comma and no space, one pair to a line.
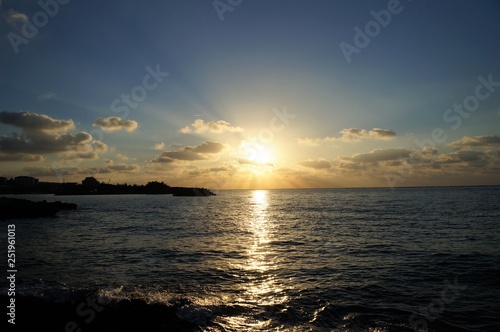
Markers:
123,157
159,146
200,126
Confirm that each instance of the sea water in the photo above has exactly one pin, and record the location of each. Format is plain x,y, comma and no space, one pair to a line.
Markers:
425,259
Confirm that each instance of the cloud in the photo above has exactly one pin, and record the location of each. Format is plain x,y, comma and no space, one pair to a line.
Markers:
159,146
219,169
245,161
470,155
45,143
120,156
316,141
163,159
43,171
316,164
33,122
200,126
191,153
381,155
24,157
465,156
81,155
475,141
114,123
351,135
43,134
205,147
119,168
16,19
184,155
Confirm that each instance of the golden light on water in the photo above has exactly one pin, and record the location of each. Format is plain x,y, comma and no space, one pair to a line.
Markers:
259,226
260,290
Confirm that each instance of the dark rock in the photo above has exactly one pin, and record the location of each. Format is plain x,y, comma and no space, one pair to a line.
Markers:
23,208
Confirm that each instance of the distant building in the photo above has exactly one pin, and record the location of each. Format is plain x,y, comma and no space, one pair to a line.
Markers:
26,181
90,182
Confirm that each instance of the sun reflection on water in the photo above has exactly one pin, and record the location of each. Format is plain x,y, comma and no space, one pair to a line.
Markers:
260,290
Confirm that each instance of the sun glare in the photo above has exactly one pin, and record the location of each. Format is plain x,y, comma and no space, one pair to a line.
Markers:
259,155
263,156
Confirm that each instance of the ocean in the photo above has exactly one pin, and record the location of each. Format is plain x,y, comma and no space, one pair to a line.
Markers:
412,259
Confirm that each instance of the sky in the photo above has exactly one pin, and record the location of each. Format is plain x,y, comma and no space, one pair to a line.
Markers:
237,94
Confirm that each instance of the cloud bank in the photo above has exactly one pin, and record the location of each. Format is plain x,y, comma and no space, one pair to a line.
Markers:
42,134
351,135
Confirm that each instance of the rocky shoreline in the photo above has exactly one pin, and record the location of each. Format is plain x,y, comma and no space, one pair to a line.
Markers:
23,208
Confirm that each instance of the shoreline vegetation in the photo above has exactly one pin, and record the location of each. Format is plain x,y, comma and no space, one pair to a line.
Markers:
23,208
91,186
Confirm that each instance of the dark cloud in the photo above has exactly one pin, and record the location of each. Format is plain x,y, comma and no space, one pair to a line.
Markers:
33,122
42,134
205,147
163,159
120,168
191,153
475,141
115,123
25,157
381,155
354,134
470,155
184,155
351,135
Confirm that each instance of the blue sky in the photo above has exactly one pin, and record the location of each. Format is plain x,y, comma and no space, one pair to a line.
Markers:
231,81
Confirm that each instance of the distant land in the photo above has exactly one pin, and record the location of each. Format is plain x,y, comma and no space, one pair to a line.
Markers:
91,186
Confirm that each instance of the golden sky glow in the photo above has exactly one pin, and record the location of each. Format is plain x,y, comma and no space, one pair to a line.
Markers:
196,101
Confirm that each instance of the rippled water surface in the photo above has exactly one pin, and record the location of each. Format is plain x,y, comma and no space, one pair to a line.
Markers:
314,260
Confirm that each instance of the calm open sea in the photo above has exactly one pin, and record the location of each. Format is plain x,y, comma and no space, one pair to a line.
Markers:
277,260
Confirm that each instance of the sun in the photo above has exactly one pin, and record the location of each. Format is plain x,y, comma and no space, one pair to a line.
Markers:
258,154
263,156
